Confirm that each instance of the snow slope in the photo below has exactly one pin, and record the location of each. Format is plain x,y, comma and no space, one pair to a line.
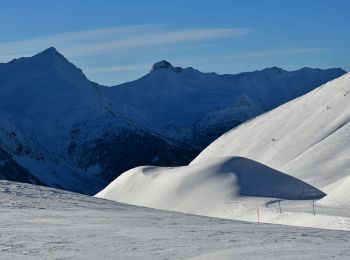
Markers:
196,107
42,223
339,195
307,138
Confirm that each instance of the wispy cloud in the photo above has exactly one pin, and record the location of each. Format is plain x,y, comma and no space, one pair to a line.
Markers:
108,40
29,47
155,39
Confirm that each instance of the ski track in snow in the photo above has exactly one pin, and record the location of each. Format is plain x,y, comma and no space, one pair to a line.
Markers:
42,223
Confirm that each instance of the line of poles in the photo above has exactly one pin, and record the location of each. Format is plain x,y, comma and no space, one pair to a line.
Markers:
280,209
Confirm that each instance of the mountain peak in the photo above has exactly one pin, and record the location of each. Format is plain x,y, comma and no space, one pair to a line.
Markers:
163,64
50,53
274,69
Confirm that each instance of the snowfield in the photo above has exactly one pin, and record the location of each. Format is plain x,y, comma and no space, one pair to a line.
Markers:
43,223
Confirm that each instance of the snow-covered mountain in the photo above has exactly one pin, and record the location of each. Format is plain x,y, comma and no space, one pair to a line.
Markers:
58,129
195,107
308,138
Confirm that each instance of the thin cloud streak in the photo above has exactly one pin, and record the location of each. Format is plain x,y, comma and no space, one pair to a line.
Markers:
110,40
156,39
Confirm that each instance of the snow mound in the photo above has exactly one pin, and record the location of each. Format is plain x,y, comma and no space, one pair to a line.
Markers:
308,138
205,188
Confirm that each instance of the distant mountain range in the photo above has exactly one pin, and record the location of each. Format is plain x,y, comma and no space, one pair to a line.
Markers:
59,129
195,107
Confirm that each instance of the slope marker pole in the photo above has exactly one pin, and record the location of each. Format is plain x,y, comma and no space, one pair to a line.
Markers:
257,211
279,204
313,207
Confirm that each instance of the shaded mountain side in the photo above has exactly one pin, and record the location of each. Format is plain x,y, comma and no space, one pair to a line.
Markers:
60,128
10,170
196,107
115,153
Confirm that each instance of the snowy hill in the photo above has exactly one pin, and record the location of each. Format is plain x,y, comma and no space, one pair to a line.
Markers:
195,107
205,188
42,223
307,138
57,128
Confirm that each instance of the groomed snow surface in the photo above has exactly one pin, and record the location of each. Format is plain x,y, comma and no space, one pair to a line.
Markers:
307,138
42,223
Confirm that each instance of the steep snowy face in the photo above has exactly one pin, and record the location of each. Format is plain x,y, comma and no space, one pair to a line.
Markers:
205,188
197,107
58,129
308,138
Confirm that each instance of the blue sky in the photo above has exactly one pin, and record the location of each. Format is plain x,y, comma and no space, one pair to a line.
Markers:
116,41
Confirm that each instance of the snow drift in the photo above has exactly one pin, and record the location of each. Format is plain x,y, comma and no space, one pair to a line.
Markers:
205,188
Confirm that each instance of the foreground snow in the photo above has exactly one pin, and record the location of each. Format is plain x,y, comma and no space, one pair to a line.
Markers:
39,223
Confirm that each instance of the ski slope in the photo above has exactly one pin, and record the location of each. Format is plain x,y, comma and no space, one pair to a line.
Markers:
43,223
